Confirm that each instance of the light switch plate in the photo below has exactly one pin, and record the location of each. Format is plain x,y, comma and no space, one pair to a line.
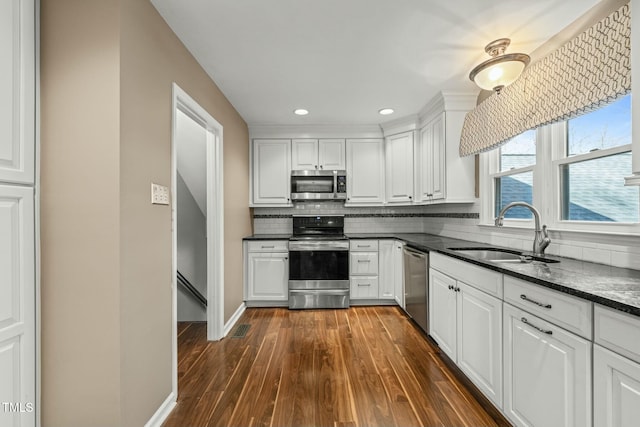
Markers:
159,194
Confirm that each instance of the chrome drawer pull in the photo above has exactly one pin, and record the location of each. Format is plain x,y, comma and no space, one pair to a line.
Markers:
364,260
524,297
268,247
526,322
364,284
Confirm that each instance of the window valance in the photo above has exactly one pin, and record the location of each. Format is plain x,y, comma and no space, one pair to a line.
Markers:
585,74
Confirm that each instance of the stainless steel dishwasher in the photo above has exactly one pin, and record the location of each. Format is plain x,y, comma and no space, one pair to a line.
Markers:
416,286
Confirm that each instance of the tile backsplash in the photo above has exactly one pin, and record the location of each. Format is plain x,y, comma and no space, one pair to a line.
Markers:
456,221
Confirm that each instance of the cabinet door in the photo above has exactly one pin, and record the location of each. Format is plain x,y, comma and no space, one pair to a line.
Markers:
480,340
442,312
271,171
399,168
386,268
363,263
304,154
331,154
268,276
547,373
616,389
17,91
398,260
431,160
364,287
365,171
17,296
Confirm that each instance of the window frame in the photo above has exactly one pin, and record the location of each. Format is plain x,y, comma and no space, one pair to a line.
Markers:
550,157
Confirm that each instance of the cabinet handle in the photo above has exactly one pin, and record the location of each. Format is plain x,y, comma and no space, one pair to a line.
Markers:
364,246
410,197
524,297
286,258
544,331
364,260
268,247
450,287
321,167
316,166
364,284
457,289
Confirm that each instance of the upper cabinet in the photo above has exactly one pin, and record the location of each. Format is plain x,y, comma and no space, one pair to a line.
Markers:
430,161
312,154
17,90
271,169
365,172
399,156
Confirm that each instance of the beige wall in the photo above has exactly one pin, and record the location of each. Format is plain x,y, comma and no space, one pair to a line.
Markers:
107,73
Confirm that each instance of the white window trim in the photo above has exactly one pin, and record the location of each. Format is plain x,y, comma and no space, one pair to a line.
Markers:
550,150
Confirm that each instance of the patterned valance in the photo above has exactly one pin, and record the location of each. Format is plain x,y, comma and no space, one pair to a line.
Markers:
588,72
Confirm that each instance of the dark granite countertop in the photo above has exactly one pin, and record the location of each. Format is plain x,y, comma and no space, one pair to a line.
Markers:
614,287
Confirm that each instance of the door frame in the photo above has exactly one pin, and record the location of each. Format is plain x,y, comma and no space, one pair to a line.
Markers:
215,220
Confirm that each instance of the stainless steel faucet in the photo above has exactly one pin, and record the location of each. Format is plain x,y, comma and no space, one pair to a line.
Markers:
541,239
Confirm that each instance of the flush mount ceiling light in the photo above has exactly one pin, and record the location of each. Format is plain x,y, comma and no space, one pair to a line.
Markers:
502,69
386,111
301,112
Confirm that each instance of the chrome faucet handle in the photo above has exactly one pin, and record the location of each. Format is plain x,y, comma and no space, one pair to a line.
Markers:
541,242
498,221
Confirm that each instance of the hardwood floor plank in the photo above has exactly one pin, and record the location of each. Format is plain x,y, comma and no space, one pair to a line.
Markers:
359,367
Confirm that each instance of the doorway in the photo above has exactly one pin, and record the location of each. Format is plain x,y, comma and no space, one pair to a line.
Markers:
197,169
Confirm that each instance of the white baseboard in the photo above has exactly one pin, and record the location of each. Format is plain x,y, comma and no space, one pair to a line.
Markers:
163,412
233,320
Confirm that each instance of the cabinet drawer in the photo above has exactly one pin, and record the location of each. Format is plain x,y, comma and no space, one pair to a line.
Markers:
569,312
364,287
617,331
484,279
363,245
363,263
268,246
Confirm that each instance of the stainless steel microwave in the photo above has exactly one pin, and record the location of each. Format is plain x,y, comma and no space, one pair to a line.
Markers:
318,185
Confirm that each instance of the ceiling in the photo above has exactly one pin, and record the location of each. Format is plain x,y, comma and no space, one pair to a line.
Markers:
343,60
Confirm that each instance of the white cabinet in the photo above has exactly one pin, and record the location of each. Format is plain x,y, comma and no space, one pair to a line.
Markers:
390,269
430,161
616,368
442,176
467,325
267,272
271,184
365,172
616,389
398,280
547,372
399,168
312,154
363,269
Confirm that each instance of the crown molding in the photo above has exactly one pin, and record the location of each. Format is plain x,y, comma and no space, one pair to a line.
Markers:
402,124
448,101
314,131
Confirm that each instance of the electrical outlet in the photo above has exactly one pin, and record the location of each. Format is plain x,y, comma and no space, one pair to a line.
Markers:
159,194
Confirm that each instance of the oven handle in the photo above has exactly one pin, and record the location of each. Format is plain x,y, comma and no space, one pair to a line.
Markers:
319,246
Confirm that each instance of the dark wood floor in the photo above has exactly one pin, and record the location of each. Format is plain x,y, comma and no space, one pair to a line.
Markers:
364,366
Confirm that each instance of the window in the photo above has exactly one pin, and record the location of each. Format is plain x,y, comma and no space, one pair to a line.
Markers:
514,179
596,157
572,172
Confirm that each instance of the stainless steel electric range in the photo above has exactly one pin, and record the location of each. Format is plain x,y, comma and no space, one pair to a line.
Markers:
318,263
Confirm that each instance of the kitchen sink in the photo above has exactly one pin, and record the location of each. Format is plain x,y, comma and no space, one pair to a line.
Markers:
501,255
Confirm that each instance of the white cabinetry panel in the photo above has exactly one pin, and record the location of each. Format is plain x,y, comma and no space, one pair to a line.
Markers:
271,172
547,373
399,169
304,154
442,312
268,276
365,172
331,154
17,91
17,307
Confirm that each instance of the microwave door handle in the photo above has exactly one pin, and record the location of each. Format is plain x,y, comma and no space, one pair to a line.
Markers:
335,185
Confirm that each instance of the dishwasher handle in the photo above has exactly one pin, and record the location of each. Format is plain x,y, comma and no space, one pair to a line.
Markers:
414,253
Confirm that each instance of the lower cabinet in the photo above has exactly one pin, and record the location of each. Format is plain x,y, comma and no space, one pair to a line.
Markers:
467,325
547,373
390,268
267,275
616,389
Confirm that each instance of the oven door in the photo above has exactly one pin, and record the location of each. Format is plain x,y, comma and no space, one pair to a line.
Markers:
319,268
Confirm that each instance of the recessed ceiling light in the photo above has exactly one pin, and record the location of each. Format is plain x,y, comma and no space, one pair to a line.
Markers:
301,112
386,111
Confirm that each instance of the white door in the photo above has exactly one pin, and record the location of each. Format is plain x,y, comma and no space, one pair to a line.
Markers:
442,312
365,171
17,307
480,340
399,168
268,276
616,389
271,171
547,373
304,154
331,154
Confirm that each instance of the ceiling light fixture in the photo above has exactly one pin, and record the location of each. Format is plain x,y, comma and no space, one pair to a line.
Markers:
502,69
301,112
386,111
